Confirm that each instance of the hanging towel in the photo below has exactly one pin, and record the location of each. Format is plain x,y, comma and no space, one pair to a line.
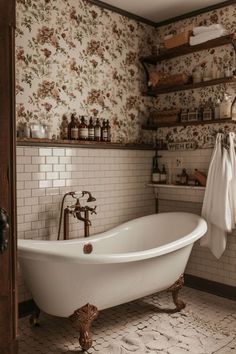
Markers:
217,206
232,157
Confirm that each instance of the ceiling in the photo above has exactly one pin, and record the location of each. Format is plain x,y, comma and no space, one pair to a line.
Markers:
160,10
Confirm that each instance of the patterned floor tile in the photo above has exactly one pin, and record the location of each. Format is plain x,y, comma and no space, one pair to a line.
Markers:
205,326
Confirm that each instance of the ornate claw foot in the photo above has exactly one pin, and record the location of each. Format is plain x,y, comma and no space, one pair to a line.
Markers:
83,318
34,318
174,289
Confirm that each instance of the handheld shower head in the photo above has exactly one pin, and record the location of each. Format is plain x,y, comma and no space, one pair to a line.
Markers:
91,199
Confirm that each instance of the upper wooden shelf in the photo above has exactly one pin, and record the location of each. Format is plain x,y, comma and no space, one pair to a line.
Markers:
81,144
187,49
192,86
185,124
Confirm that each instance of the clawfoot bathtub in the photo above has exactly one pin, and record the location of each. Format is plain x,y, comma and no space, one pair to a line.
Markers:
76,278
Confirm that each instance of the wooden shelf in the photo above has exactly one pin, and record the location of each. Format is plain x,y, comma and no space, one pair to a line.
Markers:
184,124
81,144
187,49
158,91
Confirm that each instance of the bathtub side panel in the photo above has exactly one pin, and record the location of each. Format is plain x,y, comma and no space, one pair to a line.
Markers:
61,288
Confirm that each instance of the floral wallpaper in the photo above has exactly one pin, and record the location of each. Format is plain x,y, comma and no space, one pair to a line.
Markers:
221,57
72,56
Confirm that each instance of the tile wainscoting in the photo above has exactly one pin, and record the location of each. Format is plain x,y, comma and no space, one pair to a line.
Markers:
116,178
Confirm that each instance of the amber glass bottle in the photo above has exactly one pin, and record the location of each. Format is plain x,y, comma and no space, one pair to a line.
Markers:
73,129
104,131
91,130
97,131
83,129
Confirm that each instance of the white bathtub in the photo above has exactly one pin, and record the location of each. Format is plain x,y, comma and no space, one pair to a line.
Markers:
137,258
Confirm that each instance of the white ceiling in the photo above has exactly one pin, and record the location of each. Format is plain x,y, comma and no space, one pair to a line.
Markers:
160,10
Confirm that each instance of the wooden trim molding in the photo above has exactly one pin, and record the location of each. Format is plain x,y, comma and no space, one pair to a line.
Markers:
112,8
196,12
210,286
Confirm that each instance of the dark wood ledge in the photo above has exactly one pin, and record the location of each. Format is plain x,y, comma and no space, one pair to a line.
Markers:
81,144
161,90
188,49
186,124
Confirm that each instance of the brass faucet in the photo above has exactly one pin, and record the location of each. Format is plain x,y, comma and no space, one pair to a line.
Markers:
87,223
76,211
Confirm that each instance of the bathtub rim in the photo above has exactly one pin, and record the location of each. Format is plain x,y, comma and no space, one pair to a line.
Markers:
27,249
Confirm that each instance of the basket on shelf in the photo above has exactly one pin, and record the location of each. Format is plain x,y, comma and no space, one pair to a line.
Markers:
159,80
162,117
177,40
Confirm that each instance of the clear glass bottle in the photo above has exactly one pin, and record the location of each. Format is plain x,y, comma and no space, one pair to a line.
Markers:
217,110
225,107
108,131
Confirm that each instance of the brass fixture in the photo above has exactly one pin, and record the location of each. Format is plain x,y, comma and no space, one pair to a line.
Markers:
76,211
88,248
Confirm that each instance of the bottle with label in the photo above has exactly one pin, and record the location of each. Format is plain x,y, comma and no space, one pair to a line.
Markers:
97,131
73,130
104,131
184,177
156,173
83,129
91,130
163,175
108,131
233,109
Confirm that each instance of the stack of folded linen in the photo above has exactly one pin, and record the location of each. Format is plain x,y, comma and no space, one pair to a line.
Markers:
205,33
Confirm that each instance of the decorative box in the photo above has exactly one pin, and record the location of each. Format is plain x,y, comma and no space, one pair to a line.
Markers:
177,40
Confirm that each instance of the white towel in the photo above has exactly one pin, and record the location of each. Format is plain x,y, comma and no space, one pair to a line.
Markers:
206,36
232,157
217,206
203,29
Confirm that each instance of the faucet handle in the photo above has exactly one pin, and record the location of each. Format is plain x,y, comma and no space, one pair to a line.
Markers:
93,210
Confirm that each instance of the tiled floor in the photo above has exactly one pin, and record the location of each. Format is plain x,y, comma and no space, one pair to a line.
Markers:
206,326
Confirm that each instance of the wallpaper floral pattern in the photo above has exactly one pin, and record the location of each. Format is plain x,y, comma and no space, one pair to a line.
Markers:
72,56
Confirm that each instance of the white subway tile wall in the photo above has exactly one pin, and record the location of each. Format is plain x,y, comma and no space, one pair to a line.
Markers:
116,178
201,263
